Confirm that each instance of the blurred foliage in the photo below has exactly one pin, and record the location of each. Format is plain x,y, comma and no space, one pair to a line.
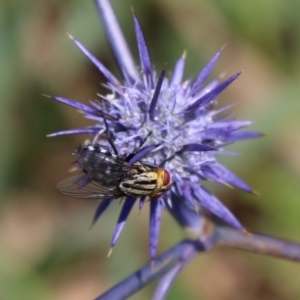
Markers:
46,249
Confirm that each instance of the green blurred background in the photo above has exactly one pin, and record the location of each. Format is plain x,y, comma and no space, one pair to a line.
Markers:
46,248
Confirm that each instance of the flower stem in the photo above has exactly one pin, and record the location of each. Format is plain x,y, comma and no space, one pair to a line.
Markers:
256,242
163,264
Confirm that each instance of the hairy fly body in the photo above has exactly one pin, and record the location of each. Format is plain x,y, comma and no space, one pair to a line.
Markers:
107,175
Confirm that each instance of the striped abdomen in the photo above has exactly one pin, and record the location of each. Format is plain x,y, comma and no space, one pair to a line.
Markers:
151,183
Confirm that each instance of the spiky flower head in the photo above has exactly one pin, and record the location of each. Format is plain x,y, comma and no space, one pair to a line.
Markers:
166,122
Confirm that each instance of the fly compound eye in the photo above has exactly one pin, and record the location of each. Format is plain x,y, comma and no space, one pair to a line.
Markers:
163,183
163,180
166,179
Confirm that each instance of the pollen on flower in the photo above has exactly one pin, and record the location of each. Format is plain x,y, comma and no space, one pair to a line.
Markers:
110,96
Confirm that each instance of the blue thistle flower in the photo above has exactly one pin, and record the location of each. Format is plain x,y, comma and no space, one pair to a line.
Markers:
166,122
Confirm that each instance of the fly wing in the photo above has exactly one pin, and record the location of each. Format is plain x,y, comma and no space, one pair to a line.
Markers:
81,186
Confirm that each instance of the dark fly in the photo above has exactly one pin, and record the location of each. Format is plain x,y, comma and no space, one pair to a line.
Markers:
106,175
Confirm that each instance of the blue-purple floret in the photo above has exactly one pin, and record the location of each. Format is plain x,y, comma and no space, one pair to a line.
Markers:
165,122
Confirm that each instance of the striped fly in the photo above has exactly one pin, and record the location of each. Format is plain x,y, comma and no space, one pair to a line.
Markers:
108,176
